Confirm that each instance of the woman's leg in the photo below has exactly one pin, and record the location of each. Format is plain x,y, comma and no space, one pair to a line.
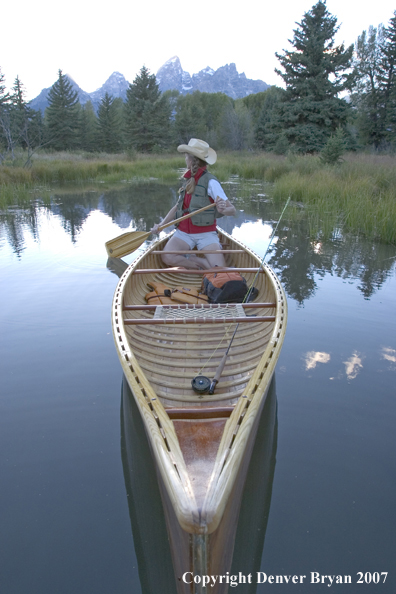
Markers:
177,244
214,259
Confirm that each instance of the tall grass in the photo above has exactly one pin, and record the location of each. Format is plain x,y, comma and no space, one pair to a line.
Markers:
359,194
62,168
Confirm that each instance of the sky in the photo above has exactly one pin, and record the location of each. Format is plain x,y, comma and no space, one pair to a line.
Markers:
90,40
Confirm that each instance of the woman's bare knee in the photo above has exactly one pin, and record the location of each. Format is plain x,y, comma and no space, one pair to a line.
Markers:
215,259
167,258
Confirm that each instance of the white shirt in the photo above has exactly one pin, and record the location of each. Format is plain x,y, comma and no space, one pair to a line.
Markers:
215,189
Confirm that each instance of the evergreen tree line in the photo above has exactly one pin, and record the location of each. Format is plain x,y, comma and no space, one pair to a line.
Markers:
333,96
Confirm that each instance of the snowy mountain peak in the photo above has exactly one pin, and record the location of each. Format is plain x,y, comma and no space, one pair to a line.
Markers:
170,76
115,86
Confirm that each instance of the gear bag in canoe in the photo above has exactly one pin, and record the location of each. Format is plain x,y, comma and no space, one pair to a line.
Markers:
227,287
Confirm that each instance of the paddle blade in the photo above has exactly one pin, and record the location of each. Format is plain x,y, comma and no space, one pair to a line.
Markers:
125,244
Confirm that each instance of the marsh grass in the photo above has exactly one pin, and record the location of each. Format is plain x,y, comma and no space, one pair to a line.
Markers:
62,168
358,194
22,194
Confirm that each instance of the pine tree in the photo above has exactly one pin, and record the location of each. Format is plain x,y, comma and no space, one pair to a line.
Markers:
147,114
189,118
387,81
266,130
4,96
314,74
236,131
374,92
19,114
88,128
109,125
366,90
4,116
334,148
62,114
214,106
20,125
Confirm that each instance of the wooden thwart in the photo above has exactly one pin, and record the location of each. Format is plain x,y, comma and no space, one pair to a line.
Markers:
216,412
191,271
198,252
132,322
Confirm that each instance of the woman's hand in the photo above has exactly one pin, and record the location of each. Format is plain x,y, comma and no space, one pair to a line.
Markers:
155,228
220,204
169,217
224,206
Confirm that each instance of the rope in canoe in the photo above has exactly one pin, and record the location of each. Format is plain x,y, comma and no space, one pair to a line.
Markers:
231,310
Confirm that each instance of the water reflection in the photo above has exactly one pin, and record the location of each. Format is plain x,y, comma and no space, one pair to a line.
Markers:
144,502
299,261
117,266
389,354
256,501
312,358
353,365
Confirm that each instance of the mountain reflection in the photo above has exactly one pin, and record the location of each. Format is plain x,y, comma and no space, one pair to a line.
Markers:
298,260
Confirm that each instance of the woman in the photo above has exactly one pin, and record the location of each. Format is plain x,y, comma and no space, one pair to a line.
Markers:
199,188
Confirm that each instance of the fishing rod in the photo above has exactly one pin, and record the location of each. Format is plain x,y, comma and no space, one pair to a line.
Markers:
202,384
266,251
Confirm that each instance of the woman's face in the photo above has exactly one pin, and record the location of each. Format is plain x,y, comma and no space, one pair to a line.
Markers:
189,160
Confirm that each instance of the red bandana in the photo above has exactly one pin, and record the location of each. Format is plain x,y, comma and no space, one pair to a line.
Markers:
200,172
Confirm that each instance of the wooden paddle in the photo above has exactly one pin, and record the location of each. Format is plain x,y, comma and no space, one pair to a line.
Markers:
129,242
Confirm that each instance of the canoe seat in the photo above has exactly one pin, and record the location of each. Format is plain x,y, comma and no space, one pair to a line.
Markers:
216,412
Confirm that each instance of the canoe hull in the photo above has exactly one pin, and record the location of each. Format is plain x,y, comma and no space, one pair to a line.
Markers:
201,455
209,555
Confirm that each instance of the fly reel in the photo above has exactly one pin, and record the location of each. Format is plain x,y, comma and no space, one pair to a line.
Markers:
201,384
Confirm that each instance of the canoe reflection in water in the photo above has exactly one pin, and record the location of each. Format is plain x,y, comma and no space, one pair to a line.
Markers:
146,512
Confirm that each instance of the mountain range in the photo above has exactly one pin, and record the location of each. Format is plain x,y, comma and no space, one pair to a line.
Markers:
170,76
225,79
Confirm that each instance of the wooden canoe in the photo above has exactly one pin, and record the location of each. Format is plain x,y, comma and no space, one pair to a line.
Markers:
201,444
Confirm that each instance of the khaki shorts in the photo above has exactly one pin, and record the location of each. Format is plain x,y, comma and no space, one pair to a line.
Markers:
201,240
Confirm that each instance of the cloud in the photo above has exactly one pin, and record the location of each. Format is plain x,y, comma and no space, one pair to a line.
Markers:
389,355
314,357
353,365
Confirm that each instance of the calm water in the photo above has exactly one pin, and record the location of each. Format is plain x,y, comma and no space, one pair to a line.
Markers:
80,512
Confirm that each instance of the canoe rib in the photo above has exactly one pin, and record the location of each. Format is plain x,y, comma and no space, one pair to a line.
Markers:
198,512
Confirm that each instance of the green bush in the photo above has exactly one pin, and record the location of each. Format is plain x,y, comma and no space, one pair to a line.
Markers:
334,148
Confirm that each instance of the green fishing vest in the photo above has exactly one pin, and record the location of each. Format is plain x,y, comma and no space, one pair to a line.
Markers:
199,199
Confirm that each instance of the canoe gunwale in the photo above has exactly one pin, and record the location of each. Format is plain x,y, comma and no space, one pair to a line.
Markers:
161,432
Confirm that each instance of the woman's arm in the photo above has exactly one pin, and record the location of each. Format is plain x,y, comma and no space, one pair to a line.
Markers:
225,207
217,193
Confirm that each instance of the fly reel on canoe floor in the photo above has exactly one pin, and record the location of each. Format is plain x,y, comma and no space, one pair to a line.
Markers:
201,385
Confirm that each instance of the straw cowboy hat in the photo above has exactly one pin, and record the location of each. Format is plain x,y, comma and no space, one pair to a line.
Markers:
200,149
